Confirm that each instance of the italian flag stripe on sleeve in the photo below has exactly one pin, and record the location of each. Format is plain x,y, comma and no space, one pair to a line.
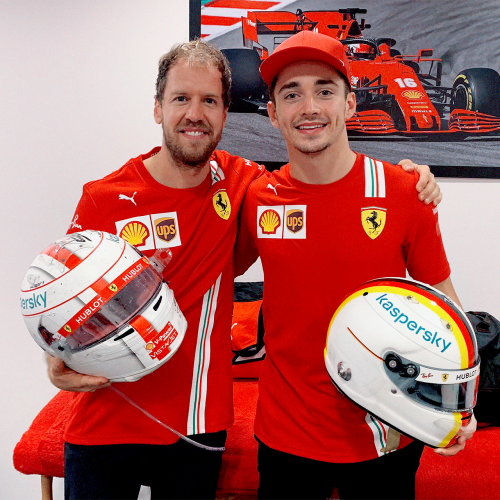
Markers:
197,403
217,173
374,178
379,430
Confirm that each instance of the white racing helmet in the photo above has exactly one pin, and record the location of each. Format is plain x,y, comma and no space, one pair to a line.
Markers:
407,354
94,301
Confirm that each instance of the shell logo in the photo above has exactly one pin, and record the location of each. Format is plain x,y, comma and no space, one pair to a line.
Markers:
135,233
150,346
269,221
413,94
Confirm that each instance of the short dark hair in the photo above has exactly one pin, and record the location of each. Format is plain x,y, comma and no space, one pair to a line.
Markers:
198,53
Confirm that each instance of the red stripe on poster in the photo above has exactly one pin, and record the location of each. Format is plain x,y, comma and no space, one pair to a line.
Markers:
219,20
241,4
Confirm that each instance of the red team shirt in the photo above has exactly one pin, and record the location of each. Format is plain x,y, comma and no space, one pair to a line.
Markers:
192,392
317,243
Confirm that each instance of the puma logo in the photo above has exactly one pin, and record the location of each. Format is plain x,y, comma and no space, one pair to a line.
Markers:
125,197
270,186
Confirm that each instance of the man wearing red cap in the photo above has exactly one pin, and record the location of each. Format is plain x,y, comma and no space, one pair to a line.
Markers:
112,448
323,224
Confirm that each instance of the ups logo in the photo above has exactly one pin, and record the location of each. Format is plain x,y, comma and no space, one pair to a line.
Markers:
165,228
295,220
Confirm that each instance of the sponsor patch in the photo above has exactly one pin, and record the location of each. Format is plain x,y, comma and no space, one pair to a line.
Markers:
222,204
281,221
159,346
135,233
294,220
150,232
373,220
165,228
269,221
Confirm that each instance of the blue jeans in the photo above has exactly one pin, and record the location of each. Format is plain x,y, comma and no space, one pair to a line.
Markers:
286,476
116,472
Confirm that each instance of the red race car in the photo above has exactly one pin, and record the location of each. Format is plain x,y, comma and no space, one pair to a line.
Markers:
396,94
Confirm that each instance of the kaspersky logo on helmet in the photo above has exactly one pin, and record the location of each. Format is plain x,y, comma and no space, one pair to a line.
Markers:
34,301
400,318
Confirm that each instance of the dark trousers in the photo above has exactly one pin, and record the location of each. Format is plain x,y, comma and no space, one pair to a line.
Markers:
285,476
116,472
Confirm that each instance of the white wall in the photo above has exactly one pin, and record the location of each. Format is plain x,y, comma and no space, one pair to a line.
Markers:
77,80
469,223
76,101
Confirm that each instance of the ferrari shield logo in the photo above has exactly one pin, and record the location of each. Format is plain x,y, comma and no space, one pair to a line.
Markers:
221,204
444,376
373,221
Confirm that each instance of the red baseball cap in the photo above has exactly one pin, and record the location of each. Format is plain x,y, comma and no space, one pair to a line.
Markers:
306,46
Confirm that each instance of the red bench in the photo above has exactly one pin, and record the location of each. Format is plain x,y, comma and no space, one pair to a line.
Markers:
472,474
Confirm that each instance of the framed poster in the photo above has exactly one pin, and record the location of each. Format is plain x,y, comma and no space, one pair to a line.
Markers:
425,76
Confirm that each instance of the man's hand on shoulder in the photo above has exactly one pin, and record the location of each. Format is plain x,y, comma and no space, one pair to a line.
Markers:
68,380
427,186
463,435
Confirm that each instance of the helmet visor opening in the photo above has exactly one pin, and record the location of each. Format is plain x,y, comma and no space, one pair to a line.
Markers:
446,397
455,391
120,309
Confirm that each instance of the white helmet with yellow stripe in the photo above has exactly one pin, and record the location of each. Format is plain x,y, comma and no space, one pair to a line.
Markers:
94,301
407,354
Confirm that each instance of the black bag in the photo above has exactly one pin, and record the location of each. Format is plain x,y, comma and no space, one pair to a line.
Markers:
488,341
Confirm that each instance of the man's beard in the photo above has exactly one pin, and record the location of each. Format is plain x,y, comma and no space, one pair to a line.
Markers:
195,159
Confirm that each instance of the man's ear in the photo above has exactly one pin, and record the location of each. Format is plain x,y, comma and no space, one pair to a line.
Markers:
350,105
158,112
271,111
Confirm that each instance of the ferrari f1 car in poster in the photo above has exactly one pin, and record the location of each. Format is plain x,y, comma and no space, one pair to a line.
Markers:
425,75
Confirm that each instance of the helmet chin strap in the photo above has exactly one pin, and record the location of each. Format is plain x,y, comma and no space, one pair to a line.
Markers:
199,445
392,443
